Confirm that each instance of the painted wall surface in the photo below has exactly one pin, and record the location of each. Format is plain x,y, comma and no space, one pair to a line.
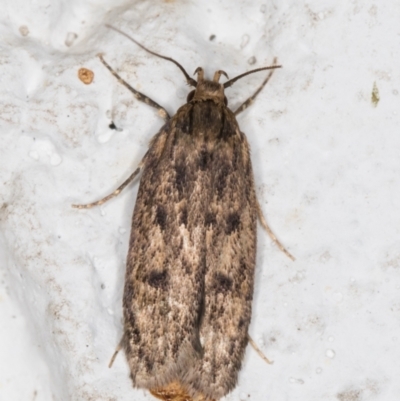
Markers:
326,157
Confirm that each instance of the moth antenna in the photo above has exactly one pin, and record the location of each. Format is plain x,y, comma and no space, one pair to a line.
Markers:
233,80
189,80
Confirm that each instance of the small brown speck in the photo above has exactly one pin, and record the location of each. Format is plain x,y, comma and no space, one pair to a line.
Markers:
375,95
86,76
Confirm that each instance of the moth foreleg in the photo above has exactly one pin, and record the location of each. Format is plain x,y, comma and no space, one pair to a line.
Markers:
250,100
271,233
138,95
115,193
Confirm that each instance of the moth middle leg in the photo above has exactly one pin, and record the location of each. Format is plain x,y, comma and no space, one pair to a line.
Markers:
271,233
115,193
119,347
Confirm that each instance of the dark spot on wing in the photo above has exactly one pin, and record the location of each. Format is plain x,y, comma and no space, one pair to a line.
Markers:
204,159
161,217
222,283
158,279
210,219
232,223
180,177
183,218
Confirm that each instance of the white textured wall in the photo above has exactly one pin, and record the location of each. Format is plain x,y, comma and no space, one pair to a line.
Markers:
327,166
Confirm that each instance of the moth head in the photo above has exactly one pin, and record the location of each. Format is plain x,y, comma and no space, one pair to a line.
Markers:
208,90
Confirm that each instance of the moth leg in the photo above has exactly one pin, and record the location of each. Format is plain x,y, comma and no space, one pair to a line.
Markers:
271,234
115,193
119,347
138,95
259,352
250,100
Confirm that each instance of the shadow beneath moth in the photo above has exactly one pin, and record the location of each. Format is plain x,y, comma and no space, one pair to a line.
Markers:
192,251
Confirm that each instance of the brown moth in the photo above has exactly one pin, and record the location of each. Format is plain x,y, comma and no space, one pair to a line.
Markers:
192,251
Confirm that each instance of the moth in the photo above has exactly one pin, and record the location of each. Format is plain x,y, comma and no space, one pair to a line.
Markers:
192,251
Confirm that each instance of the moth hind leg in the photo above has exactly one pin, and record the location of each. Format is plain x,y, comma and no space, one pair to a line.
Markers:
257,349
115,193
119,347
271,233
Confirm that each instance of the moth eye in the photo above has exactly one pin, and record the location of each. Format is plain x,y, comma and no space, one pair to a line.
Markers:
190,96
225,101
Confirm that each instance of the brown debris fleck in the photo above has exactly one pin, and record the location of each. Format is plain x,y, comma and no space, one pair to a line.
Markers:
86,76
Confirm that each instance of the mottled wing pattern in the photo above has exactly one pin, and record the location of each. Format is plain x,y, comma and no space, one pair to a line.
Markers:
230,260
166,262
